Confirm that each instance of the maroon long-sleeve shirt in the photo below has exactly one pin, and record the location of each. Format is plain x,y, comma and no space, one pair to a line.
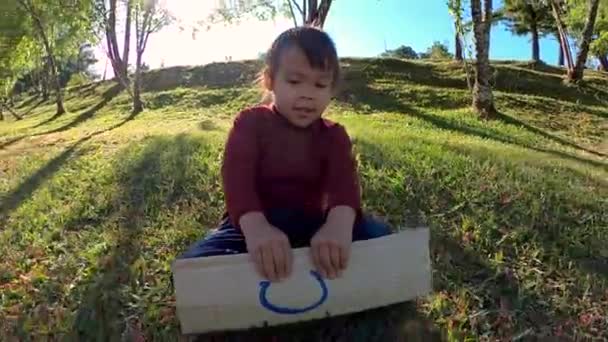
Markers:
270,163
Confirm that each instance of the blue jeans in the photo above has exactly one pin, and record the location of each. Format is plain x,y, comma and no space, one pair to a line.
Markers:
299,228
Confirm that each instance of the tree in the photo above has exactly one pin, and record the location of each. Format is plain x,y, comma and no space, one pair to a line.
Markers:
405,52
599,47
455,9
532,17
302,12
313,12
557,8
437,51
107,19
150,17
42,31
59,27
483,99
577,18
79,63
14,47
581,58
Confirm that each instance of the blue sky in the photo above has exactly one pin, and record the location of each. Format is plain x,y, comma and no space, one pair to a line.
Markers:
399,22
359,28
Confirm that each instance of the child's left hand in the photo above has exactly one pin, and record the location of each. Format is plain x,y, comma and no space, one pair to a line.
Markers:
330,248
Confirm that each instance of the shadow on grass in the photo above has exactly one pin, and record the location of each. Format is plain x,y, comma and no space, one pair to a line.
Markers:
24,190
83,90
84,116
497,302
508,78
548,105
107,96
107,309
399,322
13,199
586,249
34,106
12,141
382,101
29,101
516,122
490,255
101,314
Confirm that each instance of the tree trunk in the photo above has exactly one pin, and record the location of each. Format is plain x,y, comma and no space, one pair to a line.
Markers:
51,57
603,62
583,51
322,13
45,82
293,13
458,47
483,100
56,83
125,51
535,42
119,64
313,9
313,13
560,59
563,37
138,106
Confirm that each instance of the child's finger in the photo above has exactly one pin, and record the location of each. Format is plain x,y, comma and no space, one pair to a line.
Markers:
325,258
288,258
344,256
268,262
278,255
316,259
335,252
258,262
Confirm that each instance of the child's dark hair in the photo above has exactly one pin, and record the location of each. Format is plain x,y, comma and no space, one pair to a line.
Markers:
317,46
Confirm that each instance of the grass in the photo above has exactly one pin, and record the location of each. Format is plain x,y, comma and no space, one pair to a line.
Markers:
96,204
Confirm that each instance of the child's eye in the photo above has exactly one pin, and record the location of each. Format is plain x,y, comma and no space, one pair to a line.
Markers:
321,85
293,81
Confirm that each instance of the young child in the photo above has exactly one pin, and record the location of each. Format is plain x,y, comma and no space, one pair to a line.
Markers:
289,176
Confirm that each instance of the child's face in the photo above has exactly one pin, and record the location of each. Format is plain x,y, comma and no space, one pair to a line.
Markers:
301,93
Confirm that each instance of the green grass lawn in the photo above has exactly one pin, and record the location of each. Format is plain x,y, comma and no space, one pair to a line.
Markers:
95,204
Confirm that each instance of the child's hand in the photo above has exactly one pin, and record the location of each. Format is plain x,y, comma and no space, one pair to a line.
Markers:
268,246
330,249
330,246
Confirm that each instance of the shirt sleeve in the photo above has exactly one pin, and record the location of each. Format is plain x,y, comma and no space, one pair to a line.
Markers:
239,167
343,186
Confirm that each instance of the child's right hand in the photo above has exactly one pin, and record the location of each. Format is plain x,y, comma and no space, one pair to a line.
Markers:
268,246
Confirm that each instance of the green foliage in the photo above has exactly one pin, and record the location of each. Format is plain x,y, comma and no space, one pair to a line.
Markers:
16,46
96,204
437,51
576,18
521,15
405,52
67,24
232,11
23,23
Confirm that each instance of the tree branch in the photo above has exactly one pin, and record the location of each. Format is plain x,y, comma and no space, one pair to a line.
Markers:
293,14
295,2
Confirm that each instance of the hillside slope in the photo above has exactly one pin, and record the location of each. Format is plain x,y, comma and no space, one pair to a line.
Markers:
95,204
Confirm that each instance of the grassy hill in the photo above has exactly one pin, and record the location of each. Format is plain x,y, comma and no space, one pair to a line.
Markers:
95,204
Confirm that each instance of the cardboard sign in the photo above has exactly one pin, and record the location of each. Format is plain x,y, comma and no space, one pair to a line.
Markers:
223,293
